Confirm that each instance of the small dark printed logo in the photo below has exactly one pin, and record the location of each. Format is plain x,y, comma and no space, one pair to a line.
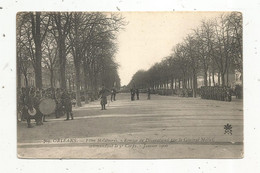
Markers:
228,129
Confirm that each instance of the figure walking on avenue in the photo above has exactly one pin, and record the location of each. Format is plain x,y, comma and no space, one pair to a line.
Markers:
103,93
66,103
132,91
113,95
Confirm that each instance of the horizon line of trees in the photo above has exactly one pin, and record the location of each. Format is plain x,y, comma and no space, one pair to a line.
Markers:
214,48
75,47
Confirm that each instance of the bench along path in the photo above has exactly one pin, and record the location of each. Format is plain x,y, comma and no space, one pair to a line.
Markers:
163,127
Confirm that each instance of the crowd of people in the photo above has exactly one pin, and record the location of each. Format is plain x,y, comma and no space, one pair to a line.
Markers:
29,100
135,92
216,93
103,93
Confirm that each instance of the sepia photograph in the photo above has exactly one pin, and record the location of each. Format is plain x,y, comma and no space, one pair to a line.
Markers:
129,85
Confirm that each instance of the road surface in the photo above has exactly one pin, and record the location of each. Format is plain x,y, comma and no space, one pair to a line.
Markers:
163,127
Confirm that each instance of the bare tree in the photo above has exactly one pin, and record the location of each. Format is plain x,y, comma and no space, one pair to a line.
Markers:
60,28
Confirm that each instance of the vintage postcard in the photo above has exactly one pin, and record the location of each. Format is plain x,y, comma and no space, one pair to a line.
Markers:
129,85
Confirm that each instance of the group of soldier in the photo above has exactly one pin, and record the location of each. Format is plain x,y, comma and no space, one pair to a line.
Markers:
134,92
216,93
30,99
103,93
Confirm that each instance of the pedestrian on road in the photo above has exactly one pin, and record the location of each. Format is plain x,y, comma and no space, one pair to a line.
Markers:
132,94
103,93
113,94
66,103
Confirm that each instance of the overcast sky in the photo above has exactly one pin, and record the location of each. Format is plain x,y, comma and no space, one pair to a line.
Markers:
150,36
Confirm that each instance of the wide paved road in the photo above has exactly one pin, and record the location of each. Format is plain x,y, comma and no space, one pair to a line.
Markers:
163,127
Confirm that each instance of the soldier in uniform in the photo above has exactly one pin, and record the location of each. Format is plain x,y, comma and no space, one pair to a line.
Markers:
24,102
29,106
39,117
113,94
229,94
103,95
132,94
66,103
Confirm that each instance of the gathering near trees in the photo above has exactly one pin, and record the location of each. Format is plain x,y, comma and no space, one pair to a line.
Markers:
68,50
213,50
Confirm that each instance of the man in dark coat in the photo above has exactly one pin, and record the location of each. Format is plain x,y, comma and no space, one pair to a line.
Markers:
67,105
39,117
103,93
114,94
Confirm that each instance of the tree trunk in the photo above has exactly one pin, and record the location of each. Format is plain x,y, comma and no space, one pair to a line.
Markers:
205,78
223,79
219,78
62,61
85,81
209,79
38,51
38,70
26,81
227,78
73,84
77,74
69,83
18,71
172,83
194,85
51,78
213,78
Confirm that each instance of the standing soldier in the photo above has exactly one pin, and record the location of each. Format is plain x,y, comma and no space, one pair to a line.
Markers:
103,93
39,117
114,94
30,107
66,103
132,94
26,105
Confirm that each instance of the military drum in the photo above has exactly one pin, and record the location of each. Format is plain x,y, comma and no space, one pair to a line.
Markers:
47,106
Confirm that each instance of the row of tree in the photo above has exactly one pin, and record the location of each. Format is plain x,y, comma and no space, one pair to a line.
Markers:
214,48
75,47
